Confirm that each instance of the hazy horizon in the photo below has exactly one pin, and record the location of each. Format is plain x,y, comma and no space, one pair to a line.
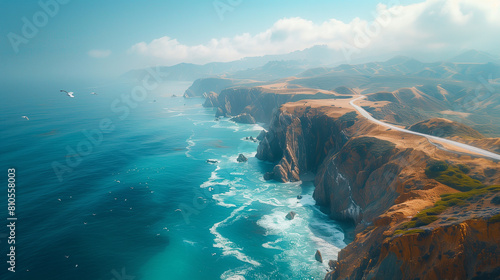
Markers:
68,39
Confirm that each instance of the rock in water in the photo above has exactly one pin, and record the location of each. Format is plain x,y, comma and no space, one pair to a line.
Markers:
241,158
318,256
290,216
244,118
268,176
299,196
212,161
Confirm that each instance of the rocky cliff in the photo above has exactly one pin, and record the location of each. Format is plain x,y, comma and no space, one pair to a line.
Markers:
257,102
376,179
299,141
410,222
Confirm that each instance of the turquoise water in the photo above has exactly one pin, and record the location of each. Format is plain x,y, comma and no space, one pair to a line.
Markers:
142,201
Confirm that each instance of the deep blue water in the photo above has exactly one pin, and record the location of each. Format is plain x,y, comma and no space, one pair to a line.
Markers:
141,200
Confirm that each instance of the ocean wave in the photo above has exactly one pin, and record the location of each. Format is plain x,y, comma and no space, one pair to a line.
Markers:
235,274
190,145
277,223
255,127
227,246
273,244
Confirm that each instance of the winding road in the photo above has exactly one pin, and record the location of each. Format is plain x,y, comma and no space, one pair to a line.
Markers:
469,148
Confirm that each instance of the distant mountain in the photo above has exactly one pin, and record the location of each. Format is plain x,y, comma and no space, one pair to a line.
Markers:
474,56
263,67
410,67
272,70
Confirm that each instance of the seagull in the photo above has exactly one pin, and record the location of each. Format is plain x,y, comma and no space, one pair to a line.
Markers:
70,94
93,93
24,117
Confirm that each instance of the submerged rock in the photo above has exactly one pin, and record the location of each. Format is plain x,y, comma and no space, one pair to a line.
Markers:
299,196
212,161
291,215
318,256
242,158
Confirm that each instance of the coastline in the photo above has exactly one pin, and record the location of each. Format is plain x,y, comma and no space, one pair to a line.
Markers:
397,165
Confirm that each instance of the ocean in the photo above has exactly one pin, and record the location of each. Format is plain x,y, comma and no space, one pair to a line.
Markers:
109,188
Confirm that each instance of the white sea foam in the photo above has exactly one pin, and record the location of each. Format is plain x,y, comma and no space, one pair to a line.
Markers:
227,246
190,145
273,245
221,196
255,127
192,243
270,201
307,199
226,124
277,223
235,274
178,115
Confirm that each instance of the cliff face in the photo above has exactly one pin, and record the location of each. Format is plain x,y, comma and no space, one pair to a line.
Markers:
300,142
357,181
465,250
256,102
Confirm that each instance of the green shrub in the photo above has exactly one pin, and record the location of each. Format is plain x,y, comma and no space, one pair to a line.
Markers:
464,168
411,231
429,215
435,166
452,176
424,220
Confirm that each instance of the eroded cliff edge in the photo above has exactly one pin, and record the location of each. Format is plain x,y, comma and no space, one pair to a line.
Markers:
376,179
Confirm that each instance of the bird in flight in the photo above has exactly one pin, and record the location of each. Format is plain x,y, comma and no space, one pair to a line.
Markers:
25,117
70,94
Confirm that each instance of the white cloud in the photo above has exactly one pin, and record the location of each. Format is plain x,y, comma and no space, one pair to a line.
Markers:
429,26
99,53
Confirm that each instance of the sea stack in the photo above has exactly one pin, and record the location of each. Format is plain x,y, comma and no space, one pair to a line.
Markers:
318,256
242,158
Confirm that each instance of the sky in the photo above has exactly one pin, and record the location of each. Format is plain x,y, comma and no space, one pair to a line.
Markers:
74,38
